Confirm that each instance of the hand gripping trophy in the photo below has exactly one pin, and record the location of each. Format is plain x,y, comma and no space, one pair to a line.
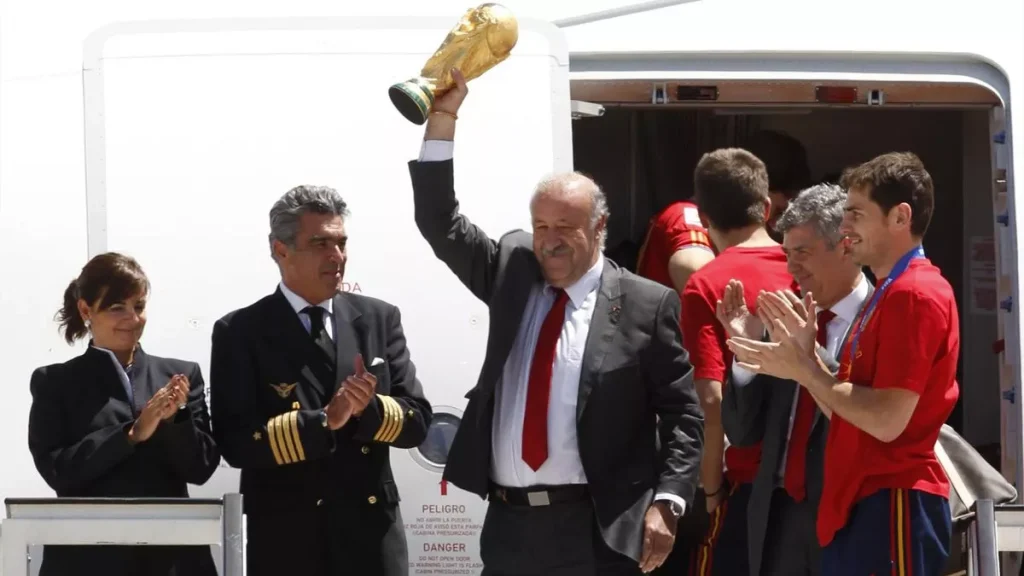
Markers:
483,38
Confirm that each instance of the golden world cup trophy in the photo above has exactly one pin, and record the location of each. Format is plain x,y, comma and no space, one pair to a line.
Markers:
483,38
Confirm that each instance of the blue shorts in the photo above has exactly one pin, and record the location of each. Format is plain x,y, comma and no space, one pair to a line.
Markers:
892,532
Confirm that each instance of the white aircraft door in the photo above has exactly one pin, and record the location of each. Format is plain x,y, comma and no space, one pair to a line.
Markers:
194,128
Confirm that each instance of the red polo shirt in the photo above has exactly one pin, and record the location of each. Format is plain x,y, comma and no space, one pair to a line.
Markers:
676,227
911,341
704,337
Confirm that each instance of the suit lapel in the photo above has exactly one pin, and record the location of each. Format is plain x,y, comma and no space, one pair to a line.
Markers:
842,344
108,379
508,319
140,379
287,333
603,326
348,339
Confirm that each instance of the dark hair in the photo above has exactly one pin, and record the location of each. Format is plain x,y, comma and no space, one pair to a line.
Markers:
832,178
731,188
786,161
108,279
892,179
286,213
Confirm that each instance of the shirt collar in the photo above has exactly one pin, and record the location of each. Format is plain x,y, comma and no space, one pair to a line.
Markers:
587,283
299,303
850,305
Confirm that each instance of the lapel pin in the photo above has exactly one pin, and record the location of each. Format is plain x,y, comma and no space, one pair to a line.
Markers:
613,314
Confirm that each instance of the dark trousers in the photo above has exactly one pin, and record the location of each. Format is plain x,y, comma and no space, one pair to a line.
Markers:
307,544
561,539
724,550
791,541
328,540
901,532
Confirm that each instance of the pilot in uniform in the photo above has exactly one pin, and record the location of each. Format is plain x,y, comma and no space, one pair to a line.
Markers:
319,496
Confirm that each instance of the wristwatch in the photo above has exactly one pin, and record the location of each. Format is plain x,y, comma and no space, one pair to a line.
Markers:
675,508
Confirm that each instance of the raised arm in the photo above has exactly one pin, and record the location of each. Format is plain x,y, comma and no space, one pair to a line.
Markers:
400,418
461,245
245,434
188,439
67,466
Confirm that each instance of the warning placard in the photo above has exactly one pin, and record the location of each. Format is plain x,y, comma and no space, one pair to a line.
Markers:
984,298
445,539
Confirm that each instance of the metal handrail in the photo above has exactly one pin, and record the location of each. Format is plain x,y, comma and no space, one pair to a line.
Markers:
122,521
192,521
983,549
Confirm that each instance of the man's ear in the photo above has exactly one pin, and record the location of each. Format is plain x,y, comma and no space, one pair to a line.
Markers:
279,249
600,225
901,216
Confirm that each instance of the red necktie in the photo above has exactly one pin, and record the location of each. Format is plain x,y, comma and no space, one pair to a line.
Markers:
535,422
796,465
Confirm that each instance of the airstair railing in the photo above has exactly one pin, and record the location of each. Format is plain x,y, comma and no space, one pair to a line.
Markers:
982,541
122,521
192,521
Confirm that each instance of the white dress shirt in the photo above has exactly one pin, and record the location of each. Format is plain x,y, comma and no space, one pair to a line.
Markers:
437,150
845,311
299,303
563,465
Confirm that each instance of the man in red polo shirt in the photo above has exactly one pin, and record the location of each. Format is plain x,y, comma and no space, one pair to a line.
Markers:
732,193
676,246
884,504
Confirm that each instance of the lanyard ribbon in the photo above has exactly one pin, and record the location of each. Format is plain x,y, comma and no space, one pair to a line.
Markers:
897,271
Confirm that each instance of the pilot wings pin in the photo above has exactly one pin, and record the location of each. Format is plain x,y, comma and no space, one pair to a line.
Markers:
284,390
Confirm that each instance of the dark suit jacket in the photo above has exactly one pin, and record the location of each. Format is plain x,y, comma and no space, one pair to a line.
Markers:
316,501
78,436
759,412
636,384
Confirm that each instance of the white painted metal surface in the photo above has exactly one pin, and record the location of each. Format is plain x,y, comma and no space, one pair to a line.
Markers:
182,188
124,522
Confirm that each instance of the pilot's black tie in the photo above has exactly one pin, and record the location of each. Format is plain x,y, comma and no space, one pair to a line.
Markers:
318,331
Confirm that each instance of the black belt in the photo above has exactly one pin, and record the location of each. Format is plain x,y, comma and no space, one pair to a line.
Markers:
539,495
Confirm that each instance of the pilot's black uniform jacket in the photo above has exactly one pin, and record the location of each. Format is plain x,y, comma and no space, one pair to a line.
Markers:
317,502
78,428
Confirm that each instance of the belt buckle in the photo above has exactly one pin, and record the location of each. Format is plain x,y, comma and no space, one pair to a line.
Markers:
538,498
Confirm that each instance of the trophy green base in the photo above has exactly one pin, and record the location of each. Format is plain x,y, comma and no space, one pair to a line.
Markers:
412,99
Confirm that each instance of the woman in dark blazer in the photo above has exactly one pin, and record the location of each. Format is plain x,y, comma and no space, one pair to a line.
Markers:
117,422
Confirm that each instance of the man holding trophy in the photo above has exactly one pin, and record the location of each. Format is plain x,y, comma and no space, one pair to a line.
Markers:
585,372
